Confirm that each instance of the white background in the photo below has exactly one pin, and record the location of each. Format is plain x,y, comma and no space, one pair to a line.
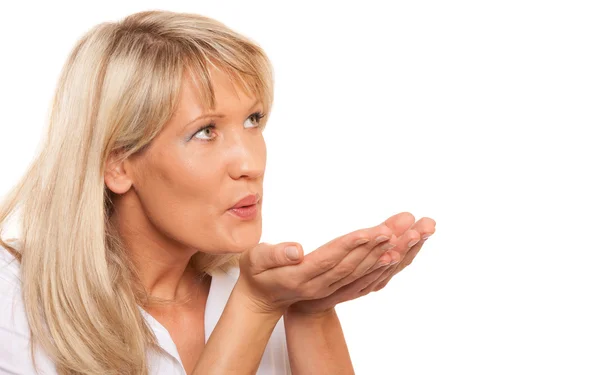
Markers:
481,115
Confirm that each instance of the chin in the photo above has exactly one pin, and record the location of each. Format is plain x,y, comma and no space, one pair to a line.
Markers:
238,244
243,236
241,246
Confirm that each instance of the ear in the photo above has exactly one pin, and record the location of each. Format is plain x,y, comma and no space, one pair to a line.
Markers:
117,174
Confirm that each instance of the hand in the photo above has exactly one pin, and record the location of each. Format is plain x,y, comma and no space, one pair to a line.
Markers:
274,281
403,225
410,239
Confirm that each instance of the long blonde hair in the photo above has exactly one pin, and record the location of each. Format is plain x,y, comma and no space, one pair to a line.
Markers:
117,89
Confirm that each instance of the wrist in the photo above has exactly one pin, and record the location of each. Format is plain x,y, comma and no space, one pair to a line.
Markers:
239,339
293,312
253,306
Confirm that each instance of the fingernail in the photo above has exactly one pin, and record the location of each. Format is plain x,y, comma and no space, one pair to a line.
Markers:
388,246
380,239
379,265
413,243
362,241
425,236
292,252
394,262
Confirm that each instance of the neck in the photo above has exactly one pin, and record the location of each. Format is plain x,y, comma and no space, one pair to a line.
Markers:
163,265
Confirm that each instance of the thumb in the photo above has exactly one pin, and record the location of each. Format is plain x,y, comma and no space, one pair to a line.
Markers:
266,256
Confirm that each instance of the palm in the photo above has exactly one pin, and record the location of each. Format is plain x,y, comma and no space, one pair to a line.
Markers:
402,225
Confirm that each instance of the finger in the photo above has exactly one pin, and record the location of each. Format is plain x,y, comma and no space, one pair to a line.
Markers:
404,244
400,223
380,257
411,254
325,282
382,280
355,288
378,285
388,273
425,226
266,256
385,278
330,255
391,264
345,275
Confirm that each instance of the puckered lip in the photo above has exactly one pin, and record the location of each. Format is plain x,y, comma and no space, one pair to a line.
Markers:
248,200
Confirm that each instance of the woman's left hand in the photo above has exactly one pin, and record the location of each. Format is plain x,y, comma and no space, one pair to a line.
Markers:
410,235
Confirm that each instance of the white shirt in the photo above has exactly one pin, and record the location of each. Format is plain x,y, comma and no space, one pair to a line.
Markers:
15,355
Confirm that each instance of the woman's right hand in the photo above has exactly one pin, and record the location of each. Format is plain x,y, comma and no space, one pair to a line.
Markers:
272,280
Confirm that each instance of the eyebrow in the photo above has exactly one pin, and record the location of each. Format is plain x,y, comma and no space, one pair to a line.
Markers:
219,115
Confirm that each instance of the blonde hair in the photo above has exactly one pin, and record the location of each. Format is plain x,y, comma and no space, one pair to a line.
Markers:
117,89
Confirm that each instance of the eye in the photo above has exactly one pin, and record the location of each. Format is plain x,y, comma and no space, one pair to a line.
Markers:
256,117
205,130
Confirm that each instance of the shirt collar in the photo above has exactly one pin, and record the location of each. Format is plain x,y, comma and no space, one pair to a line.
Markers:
165,342
222,283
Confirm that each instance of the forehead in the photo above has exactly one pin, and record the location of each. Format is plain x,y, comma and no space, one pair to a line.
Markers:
230,102
229,97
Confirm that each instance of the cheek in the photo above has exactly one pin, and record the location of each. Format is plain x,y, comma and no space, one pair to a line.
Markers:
182,200
262,147
187,201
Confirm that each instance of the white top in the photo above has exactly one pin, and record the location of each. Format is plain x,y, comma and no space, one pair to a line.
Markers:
15,355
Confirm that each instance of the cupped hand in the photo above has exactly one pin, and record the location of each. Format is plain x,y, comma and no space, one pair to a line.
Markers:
403,225
376,273
274,279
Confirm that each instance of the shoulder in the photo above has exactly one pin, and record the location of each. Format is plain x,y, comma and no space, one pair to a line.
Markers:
15,357
10,288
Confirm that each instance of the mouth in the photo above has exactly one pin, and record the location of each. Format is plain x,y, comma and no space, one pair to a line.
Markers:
247,201
246,205
242,207
245,212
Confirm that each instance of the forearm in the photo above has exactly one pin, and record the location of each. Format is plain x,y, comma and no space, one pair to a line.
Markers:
316,344
239,339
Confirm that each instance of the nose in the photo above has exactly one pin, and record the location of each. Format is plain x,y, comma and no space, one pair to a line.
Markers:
247,155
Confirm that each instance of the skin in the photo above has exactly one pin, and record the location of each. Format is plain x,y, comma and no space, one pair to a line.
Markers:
315,339
410,237
197,181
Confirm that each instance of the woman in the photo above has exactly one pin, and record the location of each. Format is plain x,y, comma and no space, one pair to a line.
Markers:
140,221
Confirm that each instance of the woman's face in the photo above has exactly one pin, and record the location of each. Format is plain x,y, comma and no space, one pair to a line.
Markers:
189,177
